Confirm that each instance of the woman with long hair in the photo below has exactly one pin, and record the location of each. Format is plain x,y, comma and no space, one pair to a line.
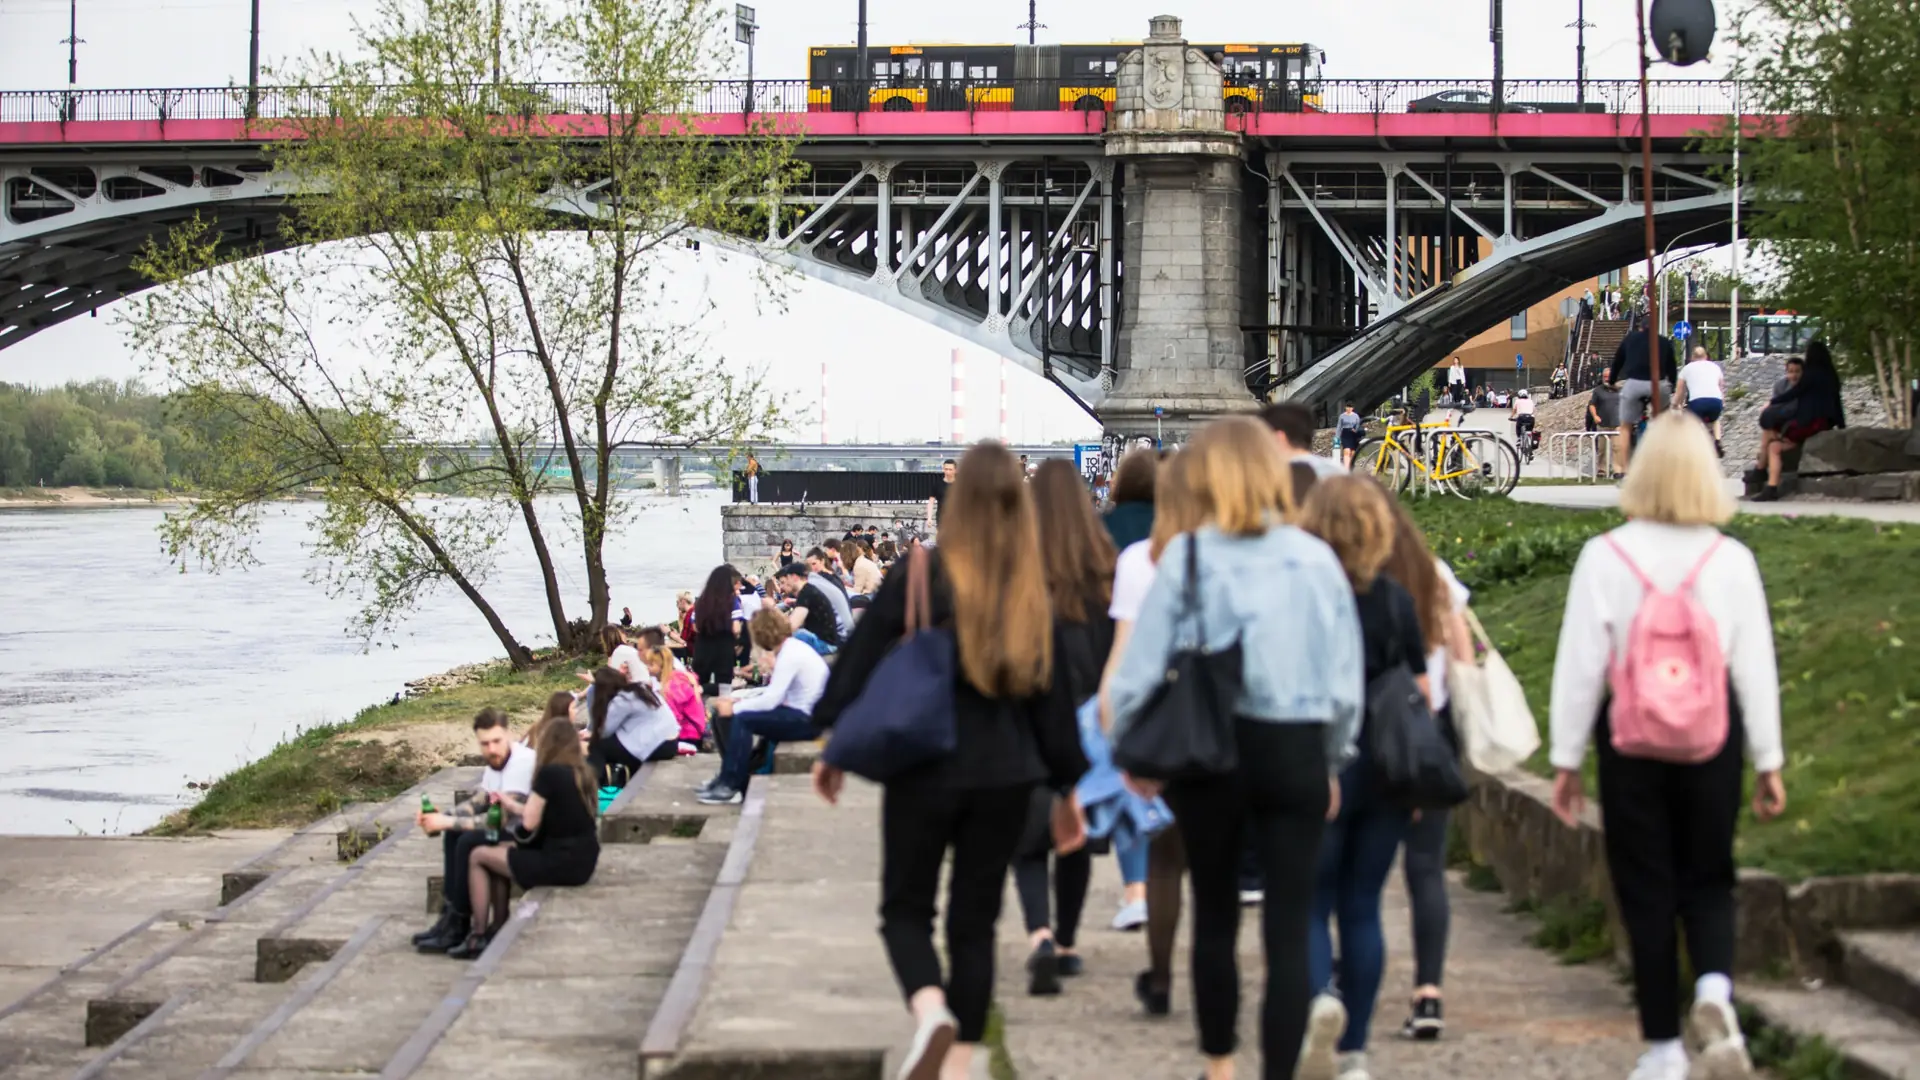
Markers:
562,844
628,725
1077,558
987,583
1669,824
1279,595
1129,517
1354,515
682,695
716,629
1178,509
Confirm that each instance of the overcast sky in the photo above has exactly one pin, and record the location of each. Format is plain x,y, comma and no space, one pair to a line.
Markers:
889,379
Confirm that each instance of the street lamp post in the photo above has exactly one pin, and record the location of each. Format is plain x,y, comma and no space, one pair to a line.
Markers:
72,42
1497,33
253,65
860,61
1684,33
1580,28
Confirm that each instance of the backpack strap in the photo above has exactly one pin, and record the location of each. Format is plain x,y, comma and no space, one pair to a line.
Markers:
1645,582
1686,584
1694,574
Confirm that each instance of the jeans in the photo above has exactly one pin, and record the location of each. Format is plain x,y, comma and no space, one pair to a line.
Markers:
1279,794
781,724
1669,842
812,641
918,823
753,488
1356,856
1133,862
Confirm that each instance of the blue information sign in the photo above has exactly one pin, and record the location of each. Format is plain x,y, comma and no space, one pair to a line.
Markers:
1682,330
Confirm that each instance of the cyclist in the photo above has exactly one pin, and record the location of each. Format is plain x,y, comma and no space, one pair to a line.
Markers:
1521,411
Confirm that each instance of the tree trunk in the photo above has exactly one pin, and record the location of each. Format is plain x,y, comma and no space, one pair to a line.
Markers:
517,654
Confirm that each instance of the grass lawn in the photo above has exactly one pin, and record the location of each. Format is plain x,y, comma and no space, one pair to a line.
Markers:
1845,598
371,758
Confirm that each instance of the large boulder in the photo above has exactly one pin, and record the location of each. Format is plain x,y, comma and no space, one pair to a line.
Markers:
1860,451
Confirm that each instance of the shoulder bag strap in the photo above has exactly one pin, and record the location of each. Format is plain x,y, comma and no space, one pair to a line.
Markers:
919,605
1190,594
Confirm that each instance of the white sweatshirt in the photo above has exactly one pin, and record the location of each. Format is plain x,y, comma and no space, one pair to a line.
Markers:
1602,599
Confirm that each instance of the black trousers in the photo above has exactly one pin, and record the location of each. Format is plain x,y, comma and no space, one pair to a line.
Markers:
457,846
917,826
1070,878
1669,840
604,753
1279,796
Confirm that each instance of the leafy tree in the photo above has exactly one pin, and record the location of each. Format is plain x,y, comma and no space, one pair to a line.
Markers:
443,231
85,463
1838,184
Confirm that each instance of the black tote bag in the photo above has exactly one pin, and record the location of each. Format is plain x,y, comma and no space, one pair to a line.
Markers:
1411,758
1185,730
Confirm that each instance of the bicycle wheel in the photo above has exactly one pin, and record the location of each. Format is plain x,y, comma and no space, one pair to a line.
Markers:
1478,465
1384,462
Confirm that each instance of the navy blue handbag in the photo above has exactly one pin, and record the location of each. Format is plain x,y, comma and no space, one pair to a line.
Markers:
903,717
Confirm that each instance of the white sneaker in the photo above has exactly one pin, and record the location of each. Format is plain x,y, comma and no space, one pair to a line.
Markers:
1722,1053
928,1051
1326,1022
1657,1066
1353,1066
1131,916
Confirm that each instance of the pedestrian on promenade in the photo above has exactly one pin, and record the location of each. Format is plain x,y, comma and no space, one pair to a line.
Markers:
557,839
987,583
629,725
716,626
1354,515
1178,509
1078,559
1670,749
1129,521
1279,595
753,478
1441,602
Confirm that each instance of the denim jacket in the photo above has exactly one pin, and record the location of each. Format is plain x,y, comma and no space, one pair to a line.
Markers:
1284,596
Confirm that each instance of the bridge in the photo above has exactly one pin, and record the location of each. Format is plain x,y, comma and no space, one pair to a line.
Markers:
1167,254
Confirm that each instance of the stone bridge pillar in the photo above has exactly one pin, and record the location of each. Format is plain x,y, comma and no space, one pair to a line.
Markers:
666,475
1180,349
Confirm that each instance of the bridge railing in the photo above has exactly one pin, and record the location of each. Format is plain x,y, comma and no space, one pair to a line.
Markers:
725,96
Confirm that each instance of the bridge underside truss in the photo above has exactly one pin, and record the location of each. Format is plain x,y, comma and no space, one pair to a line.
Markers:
1360,246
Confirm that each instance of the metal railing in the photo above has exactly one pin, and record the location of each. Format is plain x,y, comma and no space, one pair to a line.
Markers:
788,96
1579,455
796,486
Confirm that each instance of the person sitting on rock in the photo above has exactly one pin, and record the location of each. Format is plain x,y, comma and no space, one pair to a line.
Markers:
507,779
1809,405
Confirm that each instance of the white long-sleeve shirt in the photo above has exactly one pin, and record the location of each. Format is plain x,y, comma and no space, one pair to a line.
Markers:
1602,599
799,678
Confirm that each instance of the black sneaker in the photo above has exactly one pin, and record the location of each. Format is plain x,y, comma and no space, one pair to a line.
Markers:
1043,971
1070,965
1768,494
1157,1002
1425,1022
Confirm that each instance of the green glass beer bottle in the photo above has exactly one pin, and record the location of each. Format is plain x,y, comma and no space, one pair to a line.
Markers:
493,824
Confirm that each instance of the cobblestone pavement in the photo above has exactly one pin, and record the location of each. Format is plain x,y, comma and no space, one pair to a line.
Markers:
1513,1011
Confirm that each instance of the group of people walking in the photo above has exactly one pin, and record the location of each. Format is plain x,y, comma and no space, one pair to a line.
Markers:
1298,594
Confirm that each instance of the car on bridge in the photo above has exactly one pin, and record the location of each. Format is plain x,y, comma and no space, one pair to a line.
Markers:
1457,101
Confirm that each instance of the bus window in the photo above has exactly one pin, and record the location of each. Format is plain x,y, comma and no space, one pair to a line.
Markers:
911,68
983,72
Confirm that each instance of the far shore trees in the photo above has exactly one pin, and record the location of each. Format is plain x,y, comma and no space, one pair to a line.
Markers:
477,252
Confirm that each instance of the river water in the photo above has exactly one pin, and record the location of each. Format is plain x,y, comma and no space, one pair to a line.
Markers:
122,679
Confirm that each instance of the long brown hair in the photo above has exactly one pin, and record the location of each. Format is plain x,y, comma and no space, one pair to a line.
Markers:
1076,553
1178,505
559,744
608,682
1133,481
1355,517
1238,471
1411,564
611,638
560,704
988,552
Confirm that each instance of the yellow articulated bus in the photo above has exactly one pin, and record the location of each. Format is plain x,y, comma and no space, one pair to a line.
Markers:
949,78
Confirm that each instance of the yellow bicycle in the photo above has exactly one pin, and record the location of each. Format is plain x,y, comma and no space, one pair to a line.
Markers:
1464,461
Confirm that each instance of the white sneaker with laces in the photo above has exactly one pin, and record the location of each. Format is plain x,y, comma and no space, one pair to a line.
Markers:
1657,1066
1326,1022
931,1039
1722,1053
1131,916
1353,1066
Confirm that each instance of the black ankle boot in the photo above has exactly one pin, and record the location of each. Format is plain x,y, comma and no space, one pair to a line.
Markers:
1157,1002
471,948
450,936
424,936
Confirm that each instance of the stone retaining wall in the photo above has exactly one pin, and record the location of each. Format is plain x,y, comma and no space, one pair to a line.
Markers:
751,532
1509,826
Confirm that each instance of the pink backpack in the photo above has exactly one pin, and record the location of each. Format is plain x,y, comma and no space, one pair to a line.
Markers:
1670,686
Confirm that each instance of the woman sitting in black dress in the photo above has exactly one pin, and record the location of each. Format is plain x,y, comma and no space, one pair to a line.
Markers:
559,841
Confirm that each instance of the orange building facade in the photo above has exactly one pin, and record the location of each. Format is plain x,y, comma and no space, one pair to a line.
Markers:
1537,337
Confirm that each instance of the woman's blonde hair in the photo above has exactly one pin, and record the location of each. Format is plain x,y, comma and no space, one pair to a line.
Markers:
1352,514
1239,472
659,662
990,555
1674,477
1178,506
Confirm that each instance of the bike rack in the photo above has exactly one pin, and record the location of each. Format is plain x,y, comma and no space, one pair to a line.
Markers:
1580,453
1422,480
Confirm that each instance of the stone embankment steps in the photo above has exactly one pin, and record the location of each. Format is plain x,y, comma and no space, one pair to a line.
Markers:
1870,1013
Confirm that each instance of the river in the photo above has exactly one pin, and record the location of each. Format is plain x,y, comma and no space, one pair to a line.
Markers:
122,679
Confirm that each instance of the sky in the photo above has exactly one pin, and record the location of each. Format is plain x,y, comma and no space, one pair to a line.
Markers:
888,371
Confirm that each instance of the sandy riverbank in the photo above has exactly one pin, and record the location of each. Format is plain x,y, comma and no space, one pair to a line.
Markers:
81,498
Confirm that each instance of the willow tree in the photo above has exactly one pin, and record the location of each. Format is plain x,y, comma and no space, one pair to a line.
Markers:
477,258
1836,182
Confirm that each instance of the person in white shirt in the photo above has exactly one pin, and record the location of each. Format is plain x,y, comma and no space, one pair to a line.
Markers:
780,712
621,656
1520,411
507,780
1670,827
1702,389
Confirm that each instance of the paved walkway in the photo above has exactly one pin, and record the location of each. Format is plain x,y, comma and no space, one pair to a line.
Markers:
1606,496
1513,1011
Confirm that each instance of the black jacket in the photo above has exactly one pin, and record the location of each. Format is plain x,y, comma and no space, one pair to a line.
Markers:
1003,742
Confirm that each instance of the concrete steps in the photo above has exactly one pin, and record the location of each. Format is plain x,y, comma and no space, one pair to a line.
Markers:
1871,1014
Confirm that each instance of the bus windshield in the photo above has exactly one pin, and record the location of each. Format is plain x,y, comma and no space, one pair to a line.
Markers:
1772,337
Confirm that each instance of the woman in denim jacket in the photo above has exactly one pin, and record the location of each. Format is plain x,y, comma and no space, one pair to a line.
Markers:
1283,596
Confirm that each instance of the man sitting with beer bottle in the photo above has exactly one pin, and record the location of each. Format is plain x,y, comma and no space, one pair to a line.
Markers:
481,820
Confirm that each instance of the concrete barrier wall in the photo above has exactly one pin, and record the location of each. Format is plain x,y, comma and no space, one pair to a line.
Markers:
752,532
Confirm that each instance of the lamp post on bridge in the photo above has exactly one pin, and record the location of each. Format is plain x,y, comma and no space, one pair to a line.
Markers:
72,42
1580,27
1033,25
253,65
